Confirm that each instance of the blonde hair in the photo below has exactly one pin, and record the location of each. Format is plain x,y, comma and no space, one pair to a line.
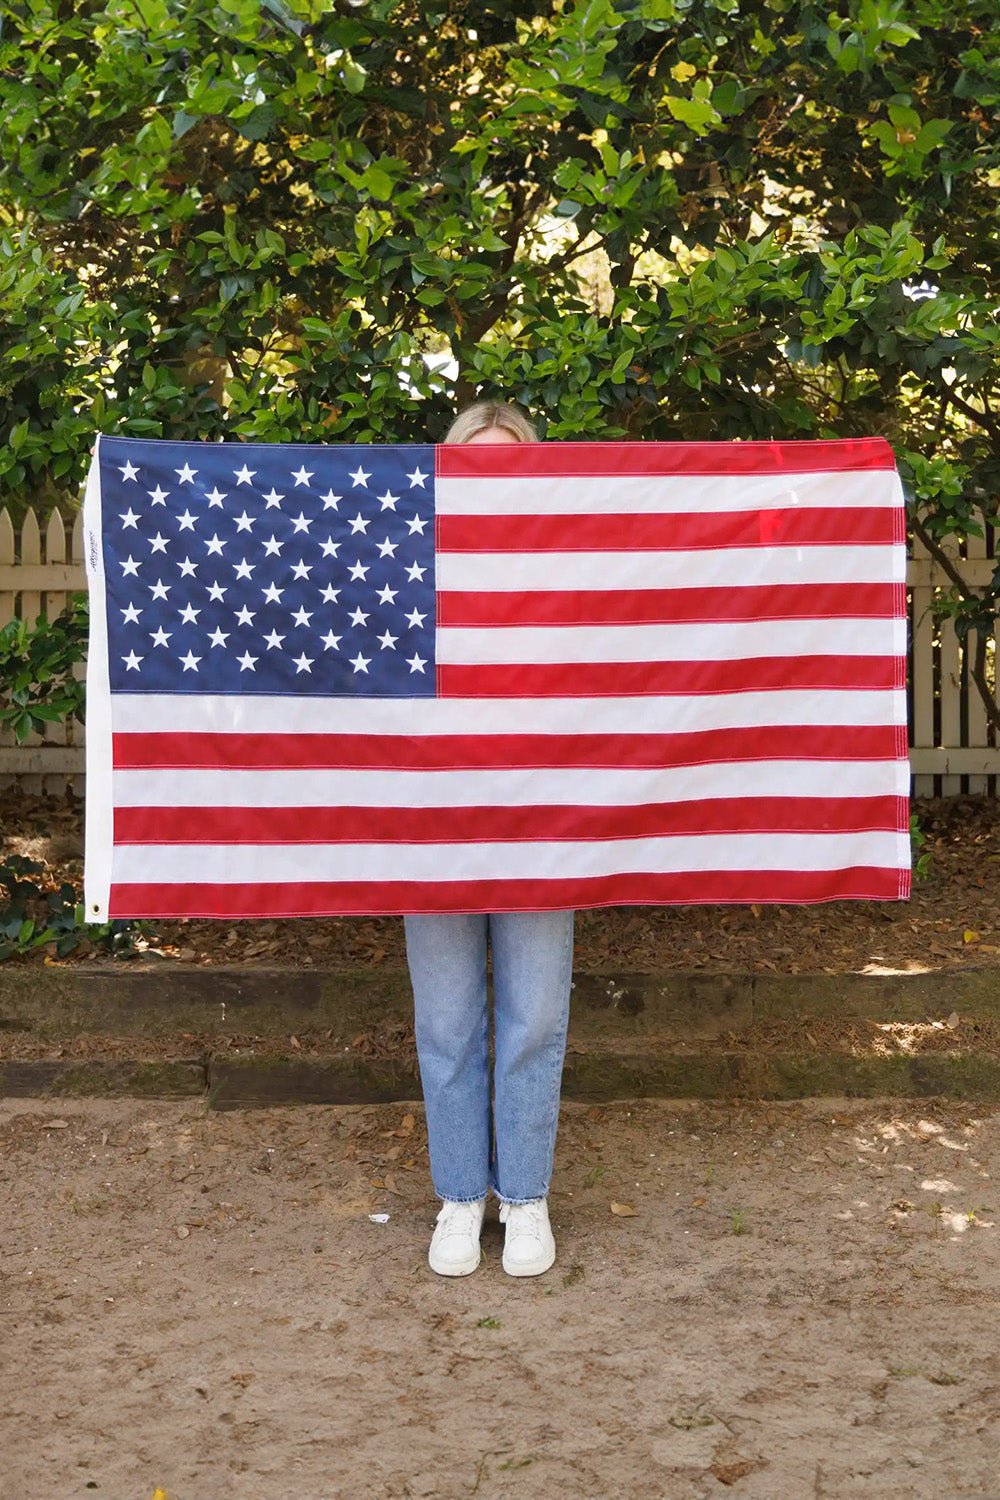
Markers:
483,414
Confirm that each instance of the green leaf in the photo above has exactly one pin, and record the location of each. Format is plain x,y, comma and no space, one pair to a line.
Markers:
183,123
378,182
697,114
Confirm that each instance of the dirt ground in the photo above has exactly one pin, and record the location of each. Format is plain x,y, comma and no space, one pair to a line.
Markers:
952,920
802,1306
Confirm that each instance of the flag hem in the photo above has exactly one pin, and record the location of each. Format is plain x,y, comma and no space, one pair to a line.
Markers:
99,817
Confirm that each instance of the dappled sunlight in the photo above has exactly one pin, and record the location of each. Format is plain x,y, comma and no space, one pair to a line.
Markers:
878,1138
893,1037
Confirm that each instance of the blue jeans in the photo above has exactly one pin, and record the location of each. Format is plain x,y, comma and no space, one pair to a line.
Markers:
472,1148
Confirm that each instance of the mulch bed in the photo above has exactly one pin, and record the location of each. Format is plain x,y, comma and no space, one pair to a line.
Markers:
952,920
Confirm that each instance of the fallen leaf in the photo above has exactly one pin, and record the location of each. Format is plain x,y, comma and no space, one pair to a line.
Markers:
729,1473
953,1020
970,935
406,1125
54,1125
624,1210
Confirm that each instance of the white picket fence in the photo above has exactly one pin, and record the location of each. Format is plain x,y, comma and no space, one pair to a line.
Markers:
953,750
37,580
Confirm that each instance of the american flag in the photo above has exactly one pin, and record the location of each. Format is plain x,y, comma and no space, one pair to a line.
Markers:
331,679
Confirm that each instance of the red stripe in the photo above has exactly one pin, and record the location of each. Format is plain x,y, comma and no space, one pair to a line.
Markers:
480,825
671,678
778,601
349,898
490,460
442,752
667,533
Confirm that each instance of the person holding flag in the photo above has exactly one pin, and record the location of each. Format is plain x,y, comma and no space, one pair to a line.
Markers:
475,1146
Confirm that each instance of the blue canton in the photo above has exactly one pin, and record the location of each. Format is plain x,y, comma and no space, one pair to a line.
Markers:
269,568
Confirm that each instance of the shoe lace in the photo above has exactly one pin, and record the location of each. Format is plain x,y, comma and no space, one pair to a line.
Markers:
529,1218
457,1216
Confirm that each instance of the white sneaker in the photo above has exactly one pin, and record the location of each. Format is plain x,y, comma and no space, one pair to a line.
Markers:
528,1248
455,1249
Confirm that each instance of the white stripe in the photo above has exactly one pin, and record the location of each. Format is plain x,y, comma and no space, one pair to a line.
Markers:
666,494
508,572
100,810
529,787
500,645
207,714
566,859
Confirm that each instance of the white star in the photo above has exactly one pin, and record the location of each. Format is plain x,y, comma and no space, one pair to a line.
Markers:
272,594
417,478
132,661
360,663
387,595
159,496
160,637
131,615
330,500
416,663
190,662
360,477
415,572
128,472
330,594
358,617
304,663
330,548
129,518
247,662
388,500
186,475
215,546
244,522
273,500
359,571
387,548
188,568
301,616
301,569
244,475
274,640
130,568
359,523
330,641
300,523
244,568
417,523
158,543
215,498
388,641
216,591
273,547
189,615
302,476
159,589
245,616
218,637
415,617
186,521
